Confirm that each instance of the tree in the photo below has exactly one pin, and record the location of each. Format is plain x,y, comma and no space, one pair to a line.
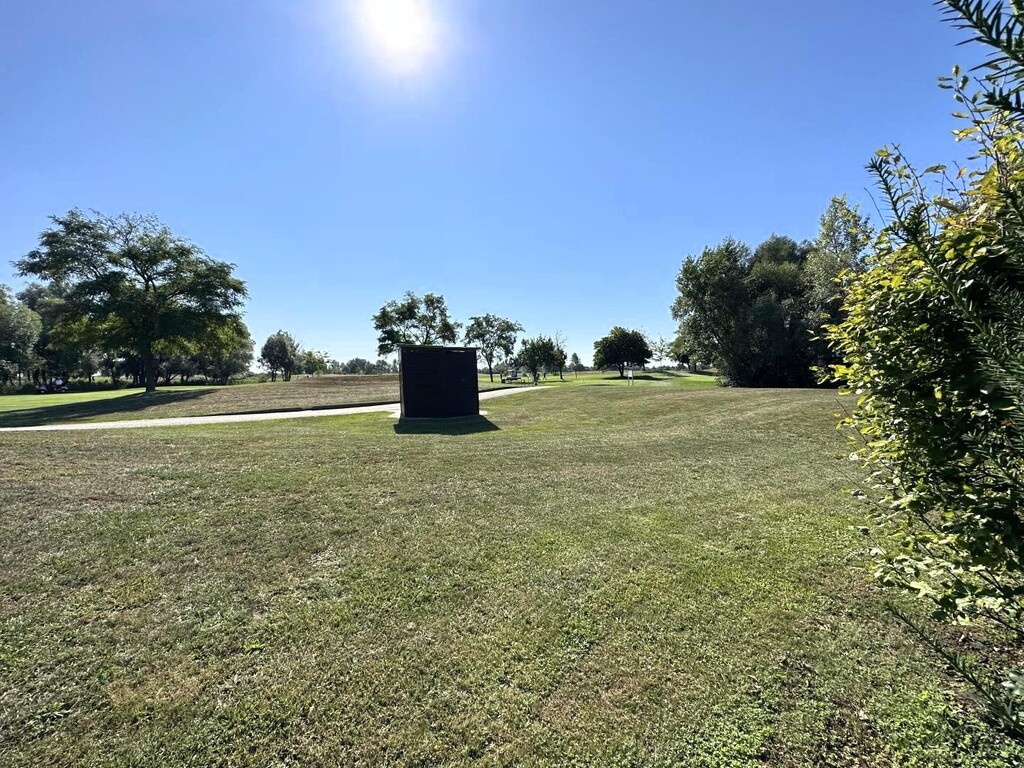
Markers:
312,362
64,346
280,353
537,355
495,336
414,320
660,349
745,312
19,330
680,351
620,348
132,283
931,339
560,357
226,353
575,365
838,253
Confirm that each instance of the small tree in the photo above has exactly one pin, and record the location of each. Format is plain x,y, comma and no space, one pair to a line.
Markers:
575,365
495,336
414,320
560,357
312,362
280,353
620,348
537,355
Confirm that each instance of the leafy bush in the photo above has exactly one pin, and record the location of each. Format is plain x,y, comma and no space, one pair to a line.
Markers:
933,348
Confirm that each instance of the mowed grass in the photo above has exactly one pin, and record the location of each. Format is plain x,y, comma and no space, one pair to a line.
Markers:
298,394
588,576
113,405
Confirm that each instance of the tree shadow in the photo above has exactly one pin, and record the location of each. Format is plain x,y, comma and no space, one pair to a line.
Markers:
636,377
71,412
462,425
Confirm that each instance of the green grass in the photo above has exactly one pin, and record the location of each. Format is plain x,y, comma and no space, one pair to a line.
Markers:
297,394
113,405
587,576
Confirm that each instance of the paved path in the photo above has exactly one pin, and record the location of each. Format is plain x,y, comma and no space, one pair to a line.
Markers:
192,421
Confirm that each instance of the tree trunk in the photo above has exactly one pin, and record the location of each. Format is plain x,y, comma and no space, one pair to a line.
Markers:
622,371
149,370
490,372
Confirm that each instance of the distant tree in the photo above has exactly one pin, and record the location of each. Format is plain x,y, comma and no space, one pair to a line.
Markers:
837,255
19,331
537,355
680,351
575,365
226,353
414,320
560,357
620,348
133,282
280,353
312,362
359,366
495,336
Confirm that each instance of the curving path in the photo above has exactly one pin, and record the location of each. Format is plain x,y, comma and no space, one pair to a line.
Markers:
231,418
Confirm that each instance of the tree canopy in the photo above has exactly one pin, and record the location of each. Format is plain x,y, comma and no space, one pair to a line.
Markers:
495,336
620,348
746,312
130,283
19,331
414,320
280,354
537,355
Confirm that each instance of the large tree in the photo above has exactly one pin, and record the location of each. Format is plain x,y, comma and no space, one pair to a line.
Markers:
495,336
622,347
280,354
746,313
133,283
414,320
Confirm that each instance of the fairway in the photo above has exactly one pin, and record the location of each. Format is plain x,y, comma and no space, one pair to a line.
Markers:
645,576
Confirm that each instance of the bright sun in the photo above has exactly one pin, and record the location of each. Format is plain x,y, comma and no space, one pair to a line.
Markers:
402,33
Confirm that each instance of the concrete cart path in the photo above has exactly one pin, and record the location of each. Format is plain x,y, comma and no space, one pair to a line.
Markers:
231,418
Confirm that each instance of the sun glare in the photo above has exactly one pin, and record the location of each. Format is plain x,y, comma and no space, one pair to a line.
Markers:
402,33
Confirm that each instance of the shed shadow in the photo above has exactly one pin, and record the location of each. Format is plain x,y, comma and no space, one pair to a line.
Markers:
462,425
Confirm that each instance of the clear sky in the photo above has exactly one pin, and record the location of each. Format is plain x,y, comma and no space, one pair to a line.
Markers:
550,161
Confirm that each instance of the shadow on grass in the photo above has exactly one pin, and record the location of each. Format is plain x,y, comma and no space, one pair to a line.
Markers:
463,425
70,412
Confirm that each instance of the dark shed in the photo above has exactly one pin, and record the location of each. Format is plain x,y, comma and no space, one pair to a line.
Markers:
438,382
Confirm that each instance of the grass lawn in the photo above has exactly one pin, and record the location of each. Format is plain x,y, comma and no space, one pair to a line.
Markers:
299,393
589,576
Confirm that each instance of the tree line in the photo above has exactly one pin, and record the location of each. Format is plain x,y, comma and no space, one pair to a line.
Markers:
425,320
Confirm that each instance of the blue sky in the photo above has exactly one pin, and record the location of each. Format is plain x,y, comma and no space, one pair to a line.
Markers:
551,161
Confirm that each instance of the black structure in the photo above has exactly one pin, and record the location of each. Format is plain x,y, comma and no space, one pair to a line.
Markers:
438,382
